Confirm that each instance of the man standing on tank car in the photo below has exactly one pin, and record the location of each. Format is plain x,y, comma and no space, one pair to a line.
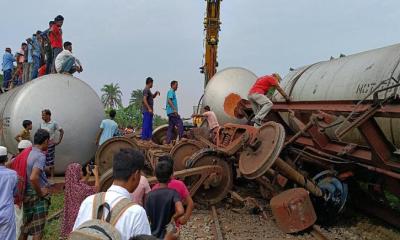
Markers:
7,67
51,127
260,103
174,120
56,40
147,109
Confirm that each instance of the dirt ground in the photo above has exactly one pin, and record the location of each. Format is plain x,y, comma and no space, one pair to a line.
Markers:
241,224
238,221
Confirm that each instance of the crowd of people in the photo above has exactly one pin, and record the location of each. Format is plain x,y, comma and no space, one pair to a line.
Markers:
137,210
26,181
42,53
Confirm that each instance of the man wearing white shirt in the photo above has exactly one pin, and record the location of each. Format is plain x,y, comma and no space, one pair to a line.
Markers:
66,62
127,165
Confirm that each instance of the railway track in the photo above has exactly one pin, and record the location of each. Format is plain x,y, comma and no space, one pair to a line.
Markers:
218,225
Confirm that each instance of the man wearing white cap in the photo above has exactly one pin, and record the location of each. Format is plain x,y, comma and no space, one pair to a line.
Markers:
23,144
8,183
19,164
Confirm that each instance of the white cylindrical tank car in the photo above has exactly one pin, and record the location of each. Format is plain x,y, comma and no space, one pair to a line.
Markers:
74,105
225,89
355,78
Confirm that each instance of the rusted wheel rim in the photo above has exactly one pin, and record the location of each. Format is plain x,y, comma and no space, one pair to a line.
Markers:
254,163
219,188
106,180
181,152
106,152
160,134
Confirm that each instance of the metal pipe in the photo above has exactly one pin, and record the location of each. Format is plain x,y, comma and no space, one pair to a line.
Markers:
295,176
380,170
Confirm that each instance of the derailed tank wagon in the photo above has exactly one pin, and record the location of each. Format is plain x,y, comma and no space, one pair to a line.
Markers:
343,122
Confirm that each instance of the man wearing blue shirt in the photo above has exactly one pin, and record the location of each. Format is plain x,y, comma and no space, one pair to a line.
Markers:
8,181
108,129
36,53
7,67
174,120
30,60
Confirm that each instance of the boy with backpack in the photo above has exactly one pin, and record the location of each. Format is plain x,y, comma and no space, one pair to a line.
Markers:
163,205
112,215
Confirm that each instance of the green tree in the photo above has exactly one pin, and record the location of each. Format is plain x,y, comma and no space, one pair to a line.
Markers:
136,98
112,96
127,116
132,114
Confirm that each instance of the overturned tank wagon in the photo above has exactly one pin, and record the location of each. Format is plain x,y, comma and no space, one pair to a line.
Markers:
74,105
225,89
342,124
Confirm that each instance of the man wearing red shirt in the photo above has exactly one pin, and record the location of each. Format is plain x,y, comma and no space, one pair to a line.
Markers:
55,37
260,103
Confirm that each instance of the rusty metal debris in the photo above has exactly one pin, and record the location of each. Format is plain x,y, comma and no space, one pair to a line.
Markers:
293,210
249,201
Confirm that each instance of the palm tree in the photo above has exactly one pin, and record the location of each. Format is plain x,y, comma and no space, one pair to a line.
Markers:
136,98
112,96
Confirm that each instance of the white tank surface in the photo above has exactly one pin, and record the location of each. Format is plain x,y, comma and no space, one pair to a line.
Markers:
74,105
353,77
346,78
225,89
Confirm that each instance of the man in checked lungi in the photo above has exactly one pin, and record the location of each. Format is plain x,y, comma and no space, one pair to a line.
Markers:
51,126
36,198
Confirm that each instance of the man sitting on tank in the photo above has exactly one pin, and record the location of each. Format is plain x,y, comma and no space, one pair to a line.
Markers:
258,96
66,62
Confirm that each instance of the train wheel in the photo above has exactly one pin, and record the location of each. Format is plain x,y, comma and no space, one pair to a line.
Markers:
255,160
160,134
106,152
106,180
216,186
183,151
336,194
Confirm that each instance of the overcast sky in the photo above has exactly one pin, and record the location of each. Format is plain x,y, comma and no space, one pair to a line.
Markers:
124,41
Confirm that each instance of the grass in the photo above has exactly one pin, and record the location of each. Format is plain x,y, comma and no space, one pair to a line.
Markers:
52,229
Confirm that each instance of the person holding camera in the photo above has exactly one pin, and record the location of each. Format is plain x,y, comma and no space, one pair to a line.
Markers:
76,190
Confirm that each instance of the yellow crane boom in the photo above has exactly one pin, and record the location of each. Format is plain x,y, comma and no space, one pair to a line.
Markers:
211,29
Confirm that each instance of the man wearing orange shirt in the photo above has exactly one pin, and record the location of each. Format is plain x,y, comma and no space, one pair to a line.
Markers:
260,103
55,37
